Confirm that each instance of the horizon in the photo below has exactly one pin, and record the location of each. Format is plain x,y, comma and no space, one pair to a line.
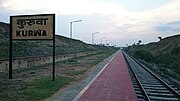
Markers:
112,45
118,22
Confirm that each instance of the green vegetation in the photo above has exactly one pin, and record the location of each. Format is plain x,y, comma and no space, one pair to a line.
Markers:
176,51
34,84
35,90
89,61
63,44
71,61
74,72
40,48
165,53
147,56
4,47
44,87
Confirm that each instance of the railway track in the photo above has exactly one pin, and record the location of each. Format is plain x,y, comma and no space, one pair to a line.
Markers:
148,86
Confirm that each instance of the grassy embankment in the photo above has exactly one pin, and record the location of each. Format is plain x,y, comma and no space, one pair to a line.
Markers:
35,83
43,48
165,53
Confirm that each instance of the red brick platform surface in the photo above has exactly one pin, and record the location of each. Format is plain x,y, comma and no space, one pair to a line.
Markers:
113,84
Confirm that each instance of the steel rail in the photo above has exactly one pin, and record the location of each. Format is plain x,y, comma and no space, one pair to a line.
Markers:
164,83
173,91
139,82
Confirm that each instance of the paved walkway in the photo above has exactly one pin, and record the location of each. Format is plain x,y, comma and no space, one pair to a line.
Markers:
112,84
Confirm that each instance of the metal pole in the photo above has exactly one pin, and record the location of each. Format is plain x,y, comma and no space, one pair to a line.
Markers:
101,41
54,58
92,38
71,26
54,48
10,50
71,29
106,42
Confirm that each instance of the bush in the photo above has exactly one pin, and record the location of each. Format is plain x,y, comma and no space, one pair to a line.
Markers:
175,51
145,55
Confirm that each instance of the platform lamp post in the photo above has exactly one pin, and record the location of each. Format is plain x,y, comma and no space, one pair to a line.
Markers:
93,37
71,26
72,33
102,39
107,42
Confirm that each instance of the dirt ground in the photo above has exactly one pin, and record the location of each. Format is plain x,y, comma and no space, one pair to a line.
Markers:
64,68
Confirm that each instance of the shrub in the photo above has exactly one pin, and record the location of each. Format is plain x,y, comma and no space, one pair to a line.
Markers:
145,55
175,51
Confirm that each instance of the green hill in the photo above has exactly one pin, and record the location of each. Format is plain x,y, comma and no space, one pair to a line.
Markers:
165,53
64,45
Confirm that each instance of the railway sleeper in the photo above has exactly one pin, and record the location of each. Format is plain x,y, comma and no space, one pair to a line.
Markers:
140,96
169,95
155,88
138,92
152,85
163,98
149,83
158,91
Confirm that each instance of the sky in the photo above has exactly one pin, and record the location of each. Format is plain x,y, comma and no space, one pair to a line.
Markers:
119,22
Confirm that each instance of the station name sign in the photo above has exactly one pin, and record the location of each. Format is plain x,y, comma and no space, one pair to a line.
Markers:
33,26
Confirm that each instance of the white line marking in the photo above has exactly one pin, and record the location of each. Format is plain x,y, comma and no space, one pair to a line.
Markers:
85,88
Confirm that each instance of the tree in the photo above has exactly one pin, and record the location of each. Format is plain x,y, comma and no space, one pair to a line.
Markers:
139,42
160,38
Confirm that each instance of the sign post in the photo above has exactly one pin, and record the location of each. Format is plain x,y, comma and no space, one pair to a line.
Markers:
32,27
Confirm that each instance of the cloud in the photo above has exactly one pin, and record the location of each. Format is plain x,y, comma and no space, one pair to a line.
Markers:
169,27
174,23
163,28
120,16
77,7
164,20
80,7
23,5
115,22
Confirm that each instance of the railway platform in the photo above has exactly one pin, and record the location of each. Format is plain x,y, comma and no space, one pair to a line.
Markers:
113,83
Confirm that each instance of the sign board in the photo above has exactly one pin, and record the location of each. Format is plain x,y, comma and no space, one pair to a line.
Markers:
32,26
